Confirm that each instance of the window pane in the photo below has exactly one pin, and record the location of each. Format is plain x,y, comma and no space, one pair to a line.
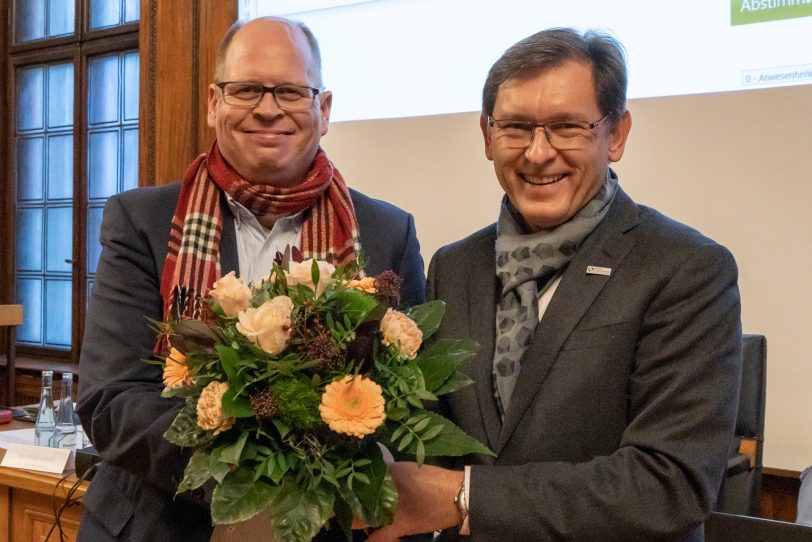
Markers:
29,294
29,239
103,89
59,234
60,95
61,17
132,10
30,158
129,172
131,86
94,218
57,312
102,164
30,24
30,92
60,167
105,13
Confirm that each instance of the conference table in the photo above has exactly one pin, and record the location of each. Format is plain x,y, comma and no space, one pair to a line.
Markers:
30,501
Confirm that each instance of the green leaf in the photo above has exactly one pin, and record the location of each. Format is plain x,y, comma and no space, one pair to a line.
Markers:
184,430
343,517
439,360
378,498
219,470
397,413
181,391
280,467
281,427
427,316
431,433
230,359
407,438
239,497
314,273
300,514
355,304
420,453
451,441
421,424
231,453
236,406
196,473
457,381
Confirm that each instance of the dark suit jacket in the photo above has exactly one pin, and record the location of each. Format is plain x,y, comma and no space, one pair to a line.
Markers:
619,425
132,495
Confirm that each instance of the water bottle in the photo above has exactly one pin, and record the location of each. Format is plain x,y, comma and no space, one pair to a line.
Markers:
65,429
44,426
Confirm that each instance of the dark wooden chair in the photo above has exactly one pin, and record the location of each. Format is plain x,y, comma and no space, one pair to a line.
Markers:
11,316
741,487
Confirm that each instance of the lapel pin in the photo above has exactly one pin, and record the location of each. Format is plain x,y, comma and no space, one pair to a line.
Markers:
597,270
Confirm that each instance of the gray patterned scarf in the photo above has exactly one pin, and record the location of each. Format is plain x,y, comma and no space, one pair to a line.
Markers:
525,262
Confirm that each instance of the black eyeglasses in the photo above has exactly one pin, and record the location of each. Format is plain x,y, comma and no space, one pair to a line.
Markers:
563,135
249,94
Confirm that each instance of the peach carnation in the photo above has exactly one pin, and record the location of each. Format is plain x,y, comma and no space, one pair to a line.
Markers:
366,284
401,332
176,372
353,406
232,294
210,408
269,325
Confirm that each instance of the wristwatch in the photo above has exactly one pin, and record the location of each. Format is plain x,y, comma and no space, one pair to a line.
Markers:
461,503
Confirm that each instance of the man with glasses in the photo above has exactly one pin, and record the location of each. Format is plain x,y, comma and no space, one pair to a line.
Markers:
610,335
264,185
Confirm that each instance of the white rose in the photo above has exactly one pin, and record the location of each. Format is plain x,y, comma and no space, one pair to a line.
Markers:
232,294
300,273
268,326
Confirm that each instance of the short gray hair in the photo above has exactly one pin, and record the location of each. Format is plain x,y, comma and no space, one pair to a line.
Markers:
553,47
222,50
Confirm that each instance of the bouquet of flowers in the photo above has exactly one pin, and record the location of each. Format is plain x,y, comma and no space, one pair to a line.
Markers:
290,385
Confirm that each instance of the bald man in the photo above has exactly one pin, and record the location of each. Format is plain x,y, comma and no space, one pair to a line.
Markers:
264,184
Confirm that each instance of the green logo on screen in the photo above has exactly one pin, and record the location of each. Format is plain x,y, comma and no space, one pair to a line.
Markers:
759,11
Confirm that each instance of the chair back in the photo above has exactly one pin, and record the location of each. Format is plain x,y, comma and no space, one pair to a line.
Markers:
741,487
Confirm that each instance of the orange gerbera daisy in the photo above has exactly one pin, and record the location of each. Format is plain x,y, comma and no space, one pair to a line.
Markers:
353,406
176,372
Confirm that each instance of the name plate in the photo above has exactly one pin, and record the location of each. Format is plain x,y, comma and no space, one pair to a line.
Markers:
24,456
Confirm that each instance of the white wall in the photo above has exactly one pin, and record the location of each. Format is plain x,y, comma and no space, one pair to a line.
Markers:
737,166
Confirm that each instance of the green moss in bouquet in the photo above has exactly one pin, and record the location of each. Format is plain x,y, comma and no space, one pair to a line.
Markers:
290,386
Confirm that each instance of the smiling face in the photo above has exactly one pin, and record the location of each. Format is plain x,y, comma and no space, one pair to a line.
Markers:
265,144
548,186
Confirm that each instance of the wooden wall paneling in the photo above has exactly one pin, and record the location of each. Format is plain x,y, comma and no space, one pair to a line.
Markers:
32,518
178,43
5,513
6,179
215,19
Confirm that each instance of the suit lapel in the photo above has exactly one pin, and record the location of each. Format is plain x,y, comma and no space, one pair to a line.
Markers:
605,247
481,295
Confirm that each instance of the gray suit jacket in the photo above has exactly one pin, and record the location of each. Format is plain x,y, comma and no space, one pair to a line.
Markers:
132,495
619,425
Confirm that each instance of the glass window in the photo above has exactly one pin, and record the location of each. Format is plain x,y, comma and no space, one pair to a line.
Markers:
41,19
47,147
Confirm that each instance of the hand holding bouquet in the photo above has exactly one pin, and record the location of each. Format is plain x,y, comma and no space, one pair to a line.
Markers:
290,385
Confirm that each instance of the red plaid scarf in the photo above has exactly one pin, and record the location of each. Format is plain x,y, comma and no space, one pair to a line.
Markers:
329,230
